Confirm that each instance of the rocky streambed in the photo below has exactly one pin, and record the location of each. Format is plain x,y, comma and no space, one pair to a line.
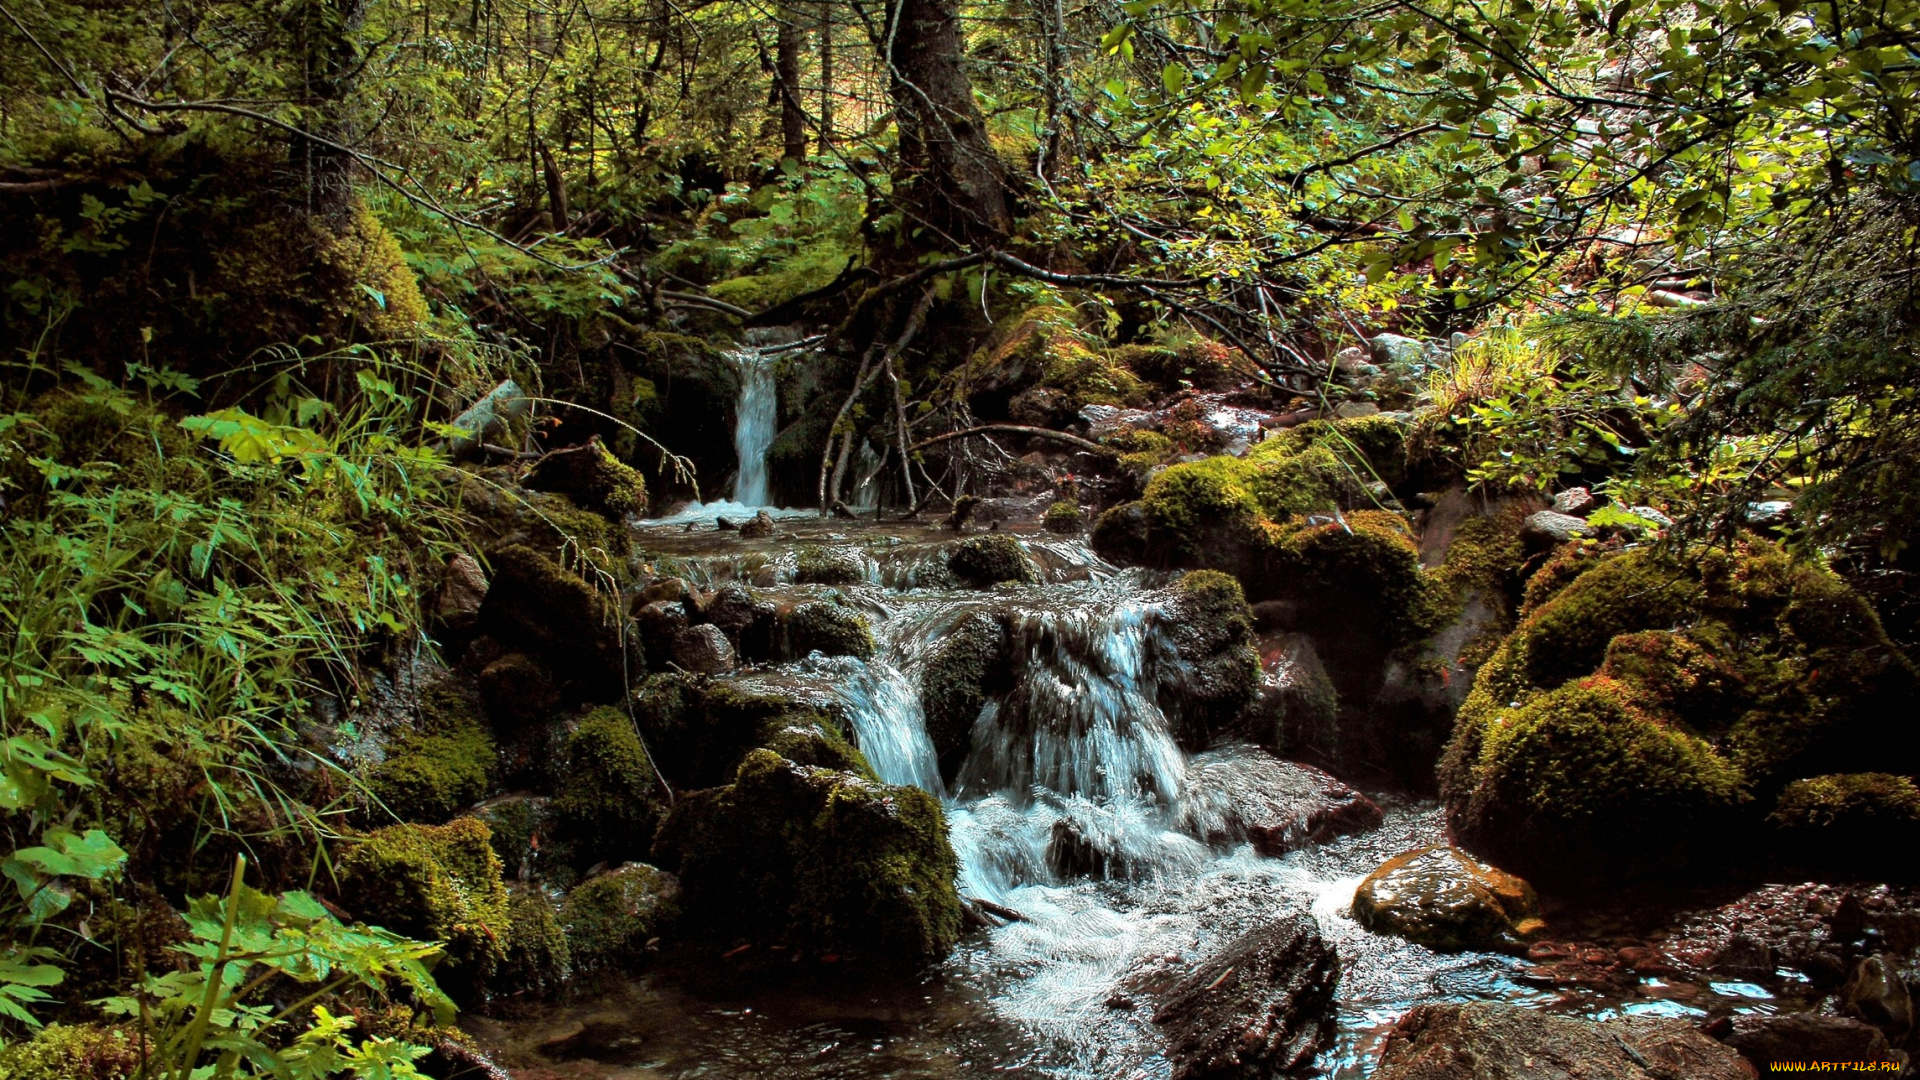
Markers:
1144,897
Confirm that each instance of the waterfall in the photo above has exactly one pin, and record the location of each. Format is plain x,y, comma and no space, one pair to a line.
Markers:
756,420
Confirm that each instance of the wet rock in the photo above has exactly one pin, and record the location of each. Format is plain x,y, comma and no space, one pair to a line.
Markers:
518,691
1354,410
462,589
983,561
524,831
537,959
1798,1037
1260,1008
1064,517
1244,793
1815,928
971,664
1074,852
759,528
611,920
659,625
828,861
1398,355
1214,674
830,566
1447,900
1490,1041
1549,528
1576,502
703,650
1742,957
671,590
749,622
829,628
1354,368
1877,995
608,798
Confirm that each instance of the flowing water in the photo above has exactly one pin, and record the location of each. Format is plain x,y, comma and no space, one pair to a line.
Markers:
1079,742
757,421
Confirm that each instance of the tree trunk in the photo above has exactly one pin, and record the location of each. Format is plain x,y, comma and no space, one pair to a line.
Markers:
826,76
789,43
953,182
332,33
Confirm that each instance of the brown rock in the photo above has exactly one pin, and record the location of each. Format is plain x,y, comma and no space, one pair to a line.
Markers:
1447,900
1491,1041
462,590
1241,793
1766,1040
1261,1008
703,650
759,528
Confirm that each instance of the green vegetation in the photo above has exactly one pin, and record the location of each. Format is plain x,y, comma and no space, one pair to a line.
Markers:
972,663
613,919
439,882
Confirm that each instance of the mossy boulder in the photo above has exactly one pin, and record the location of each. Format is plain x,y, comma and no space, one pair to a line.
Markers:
612,919
1658,703
1449,901
1216,678
830,862
1040,367
526,834
1064,517
73,1052
593,478
1196,362
540,607
700,729
607,799
437,883
828,627
971,664
94,432
442,764
1853,823
537,959
983,561
830,566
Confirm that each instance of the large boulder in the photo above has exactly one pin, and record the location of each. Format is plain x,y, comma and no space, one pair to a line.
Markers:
607,798
826,861
1447,900
1239,794
1262,1007
1213,676
541,608
1491,1041
1654,706
611,920
983,561
699,729
828,627
436,883
592,478
971,664
703,650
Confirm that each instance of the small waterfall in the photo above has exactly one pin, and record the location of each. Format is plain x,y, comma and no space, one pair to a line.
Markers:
756,421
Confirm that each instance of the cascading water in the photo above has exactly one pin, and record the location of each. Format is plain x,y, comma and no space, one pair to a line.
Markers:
756,421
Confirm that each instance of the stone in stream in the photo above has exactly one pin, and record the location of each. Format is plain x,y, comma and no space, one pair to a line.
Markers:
1260,1008
748,621
1215,673
1876,994
984,561
610,919
593,478
703,650
1495,1041
1447,900
1244,793
759,528
1770,1040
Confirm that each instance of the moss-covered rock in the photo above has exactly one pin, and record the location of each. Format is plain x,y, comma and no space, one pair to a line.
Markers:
699,729
526,834
831,628
593,478
73,1052
437,883
539,607
1852,823
537,959
1657,701
1042,366
1217,676
442,764
1197,362
611,920
589,542
827,861
830,565
983,561
971,664
1064,517
607,799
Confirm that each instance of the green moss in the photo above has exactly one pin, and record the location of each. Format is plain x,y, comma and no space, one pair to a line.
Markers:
1367,561
1064,517
982,561
1574,558
700,729
826,861
1202,363
830,566
834,629
539,607
607,798
526,834
593,479
384,296
429,778
971,663
1218,677
1759,667
816,743
815,263
583,538
438,883
72,1052
537,959
612,919
1849,800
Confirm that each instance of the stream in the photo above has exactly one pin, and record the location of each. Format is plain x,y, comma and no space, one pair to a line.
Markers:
1078,738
